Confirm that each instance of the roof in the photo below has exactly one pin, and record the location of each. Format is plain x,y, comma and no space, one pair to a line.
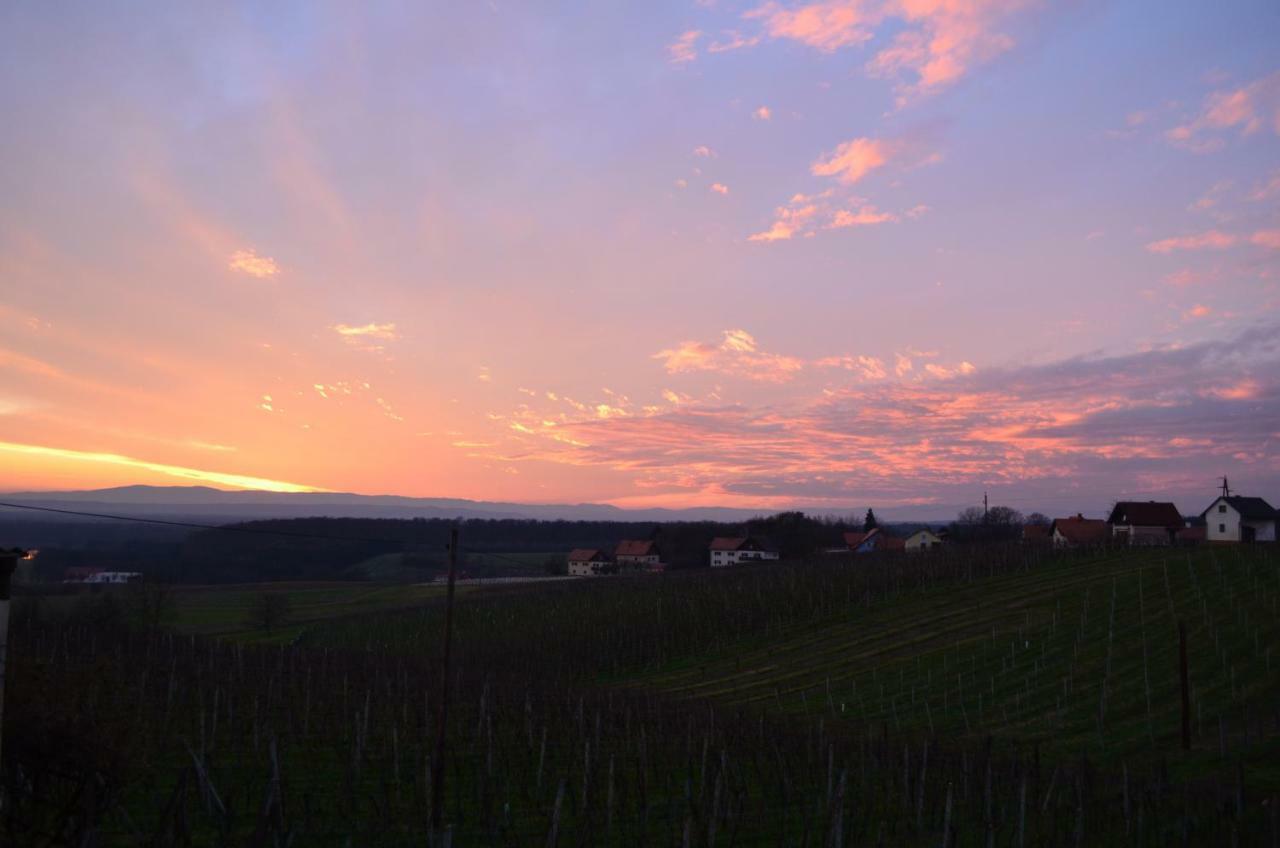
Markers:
1146,514
928,530
1255,509
728,543
854,539
1081,531
892,543
1035,532
586,555
1192,534
636,547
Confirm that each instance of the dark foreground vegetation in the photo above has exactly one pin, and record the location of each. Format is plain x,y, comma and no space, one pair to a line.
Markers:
990,696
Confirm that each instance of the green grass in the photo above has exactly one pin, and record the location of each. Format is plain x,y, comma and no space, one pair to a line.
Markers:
1073,658
222,610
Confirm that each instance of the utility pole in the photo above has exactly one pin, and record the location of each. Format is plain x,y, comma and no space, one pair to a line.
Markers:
984,506
443,834
1226,491
8,563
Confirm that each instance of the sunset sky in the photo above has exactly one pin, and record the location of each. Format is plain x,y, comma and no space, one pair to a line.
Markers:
759,254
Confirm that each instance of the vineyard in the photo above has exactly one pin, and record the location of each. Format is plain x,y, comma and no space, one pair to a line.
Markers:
994,696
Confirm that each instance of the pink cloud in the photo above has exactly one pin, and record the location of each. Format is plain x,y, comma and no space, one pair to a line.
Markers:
806,214
719,188
825,26
1211,240
1247,109
937,42
854,159
1266,238
732,40
1267,189
864,216
684,48
704,152
249,262
1098,423
762,114
736,355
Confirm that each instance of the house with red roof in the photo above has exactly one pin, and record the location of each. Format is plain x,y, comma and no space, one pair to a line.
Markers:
1145,523
733,550
637,555
590,562
1079,532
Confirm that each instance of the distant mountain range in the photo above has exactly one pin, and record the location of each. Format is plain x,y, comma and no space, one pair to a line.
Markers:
204,503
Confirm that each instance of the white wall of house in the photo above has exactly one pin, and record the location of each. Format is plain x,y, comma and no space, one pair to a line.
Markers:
723,558
584,568
1223,523
922,540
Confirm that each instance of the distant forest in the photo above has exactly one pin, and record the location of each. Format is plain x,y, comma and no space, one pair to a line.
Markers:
404,549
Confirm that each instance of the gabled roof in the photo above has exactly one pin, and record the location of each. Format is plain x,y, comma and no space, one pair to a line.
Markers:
587,555
636,547
1255,509
728,543
854,539
1080,531
891,543
1146,514
928,530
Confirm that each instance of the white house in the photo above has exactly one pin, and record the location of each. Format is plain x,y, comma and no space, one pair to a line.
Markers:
922,540
1236,519
632,554
1144,523
114,577
589,562
726,550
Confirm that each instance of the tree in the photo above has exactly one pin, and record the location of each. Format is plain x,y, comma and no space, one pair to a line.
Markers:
869,523
269,611
1038,519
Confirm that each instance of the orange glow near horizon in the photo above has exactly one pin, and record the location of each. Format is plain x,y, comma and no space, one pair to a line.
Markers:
764,256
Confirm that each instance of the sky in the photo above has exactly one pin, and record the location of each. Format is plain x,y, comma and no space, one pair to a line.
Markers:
834,254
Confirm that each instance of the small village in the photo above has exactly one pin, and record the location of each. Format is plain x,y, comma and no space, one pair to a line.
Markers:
1229,519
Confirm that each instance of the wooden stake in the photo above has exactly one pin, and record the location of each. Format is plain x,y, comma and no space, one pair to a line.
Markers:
437,779
1186,686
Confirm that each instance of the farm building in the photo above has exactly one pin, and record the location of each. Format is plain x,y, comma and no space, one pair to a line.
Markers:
1078,532
589,562
732,550
860,543
922,540
637,555
1232,518
1145,522
873,540
1035,534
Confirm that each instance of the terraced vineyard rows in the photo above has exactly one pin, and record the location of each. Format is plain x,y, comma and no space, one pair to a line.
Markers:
1076,657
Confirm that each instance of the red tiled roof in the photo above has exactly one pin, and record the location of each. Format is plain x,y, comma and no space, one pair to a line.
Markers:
1081,531
586,555
728,543
1035,532
891,543
854,539
1146,514
636,547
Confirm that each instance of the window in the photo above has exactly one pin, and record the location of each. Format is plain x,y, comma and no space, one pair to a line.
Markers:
1222,507
1222,528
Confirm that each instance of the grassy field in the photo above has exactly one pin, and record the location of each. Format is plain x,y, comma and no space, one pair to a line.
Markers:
223,611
